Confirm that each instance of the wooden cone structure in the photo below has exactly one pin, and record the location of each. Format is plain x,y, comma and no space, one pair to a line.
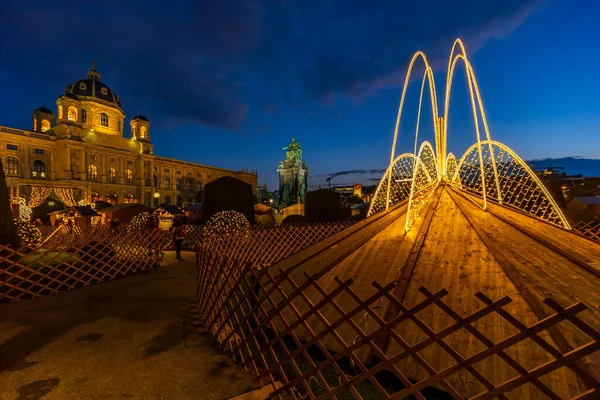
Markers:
8,229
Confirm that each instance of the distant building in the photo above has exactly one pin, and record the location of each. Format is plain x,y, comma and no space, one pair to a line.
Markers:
83,148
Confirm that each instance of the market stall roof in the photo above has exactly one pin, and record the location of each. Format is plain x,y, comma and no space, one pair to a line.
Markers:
171,209
122,206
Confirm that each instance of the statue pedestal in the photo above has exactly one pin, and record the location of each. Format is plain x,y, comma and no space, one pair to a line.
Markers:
292,183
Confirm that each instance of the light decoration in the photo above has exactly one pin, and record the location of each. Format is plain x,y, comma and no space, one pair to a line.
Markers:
24,211
227,224
65,195
488,168
29,234
139,221
83,202
39,194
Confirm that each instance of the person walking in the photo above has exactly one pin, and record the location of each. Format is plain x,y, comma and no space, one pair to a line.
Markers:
179,233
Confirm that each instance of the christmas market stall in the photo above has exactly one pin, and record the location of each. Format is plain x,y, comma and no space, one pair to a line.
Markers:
166,213
123,212
80,216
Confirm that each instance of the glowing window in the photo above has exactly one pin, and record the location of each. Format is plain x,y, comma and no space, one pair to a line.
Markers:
166,182
129,177
83,116
104,119
129,198
45,125
112,175
11,166
143,132
72,114
39,169
92,173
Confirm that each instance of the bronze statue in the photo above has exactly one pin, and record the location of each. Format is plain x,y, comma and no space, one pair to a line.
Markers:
294,152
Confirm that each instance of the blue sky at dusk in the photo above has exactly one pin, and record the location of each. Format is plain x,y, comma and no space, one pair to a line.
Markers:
230,82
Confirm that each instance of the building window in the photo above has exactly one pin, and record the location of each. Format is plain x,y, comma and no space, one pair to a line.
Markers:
72,114
167,200
38,151
155,181
112,160
178,184
104,119
45,125
93,157
94,196
112,175
178,172
83,115
199,175
129,162
189,185
12,147
143,132
92,173
112,198
11,166
129,198
179,201
166,182
129,177
39,169
167,170
189,174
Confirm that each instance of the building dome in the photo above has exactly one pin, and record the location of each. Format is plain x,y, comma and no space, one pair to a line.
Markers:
43,110
92,87
140,117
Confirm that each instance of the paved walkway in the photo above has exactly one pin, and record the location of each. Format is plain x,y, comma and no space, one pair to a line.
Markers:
131,338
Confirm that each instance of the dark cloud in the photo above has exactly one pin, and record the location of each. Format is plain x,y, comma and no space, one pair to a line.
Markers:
212,62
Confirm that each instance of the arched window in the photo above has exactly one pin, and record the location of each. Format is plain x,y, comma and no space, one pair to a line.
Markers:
129,177
155,180
178,184
189,184
11,166
143,132
45,125
112,175
112,198
129,198
92,173
83,115
179,201
167,200
39,169
72,114
104,119
166,182
94,197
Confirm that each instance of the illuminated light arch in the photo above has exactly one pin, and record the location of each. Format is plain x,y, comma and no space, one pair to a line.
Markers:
488,168
434,109
424,181
401,171
520,187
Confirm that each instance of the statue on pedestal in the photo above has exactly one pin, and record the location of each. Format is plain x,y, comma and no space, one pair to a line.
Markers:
292,176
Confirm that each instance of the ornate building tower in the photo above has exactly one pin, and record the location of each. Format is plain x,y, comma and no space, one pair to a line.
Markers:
140,131
43,119
293,176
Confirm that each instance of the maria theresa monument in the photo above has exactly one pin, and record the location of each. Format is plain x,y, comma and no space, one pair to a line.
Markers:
293,176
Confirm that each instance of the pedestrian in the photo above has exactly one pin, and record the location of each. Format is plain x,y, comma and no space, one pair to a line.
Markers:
179,233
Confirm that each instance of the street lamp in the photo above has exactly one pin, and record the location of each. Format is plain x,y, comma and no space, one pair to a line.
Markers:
156,197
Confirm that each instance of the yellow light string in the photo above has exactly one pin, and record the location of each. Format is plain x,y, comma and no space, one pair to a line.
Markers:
39,194
29,234
65,195
24,211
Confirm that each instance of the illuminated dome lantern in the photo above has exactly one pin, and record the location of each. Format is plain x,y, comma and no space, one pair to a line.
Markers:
43,119
140,128
91,104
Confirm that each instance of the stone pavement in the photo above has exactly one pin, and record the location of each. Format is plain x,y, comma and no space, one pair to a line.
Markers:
131,338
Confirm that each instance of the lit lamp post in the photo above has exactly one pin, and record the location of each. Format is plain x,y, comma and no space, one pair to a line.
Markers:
271,202
156,197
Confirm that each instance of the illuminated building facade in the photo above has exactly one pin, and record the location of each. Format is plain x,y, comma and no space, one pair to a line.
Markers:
85,149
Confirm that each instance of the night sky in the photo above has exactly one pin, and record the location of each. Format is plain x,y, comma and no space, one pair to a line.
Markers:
230,82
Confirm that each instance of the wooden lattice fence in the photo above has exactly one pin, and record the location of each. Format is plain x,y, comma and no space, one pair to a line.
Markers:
265,321
75,258
588,229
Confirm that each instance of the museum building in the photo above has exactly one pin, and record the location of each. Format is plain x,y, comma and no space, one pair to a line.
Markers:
83,151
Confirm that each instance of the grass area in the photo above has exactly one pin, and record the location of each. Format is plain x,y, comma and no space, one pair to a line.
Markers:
43,258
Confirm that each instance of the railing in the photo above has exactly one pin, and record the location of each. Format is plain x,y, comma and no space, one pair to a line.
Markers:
588,229
74,258
25,133
271,325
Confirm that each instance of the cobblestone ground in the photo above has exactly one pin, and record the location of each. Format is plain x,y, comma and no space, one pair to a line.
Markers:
132,338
